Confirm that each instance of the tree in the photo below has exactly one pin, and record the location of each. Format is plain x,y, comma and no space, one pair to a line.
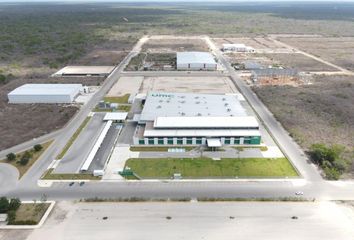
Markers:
14,204
37,147
24,160
11,157
4,205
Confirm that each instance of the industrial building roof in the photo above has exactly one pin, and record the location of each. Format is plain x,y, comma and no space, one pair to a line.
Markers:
200,133
161,104
46,89
195,57
85,70
205,122
115,116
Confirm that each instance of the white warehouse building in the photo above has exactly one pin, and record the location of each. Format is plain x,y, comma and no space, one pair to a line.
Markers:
195,119
45,93
196,61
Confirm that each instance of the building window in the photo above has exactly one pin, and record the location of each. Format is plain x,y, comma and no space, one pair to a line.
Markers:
198,141
151,141
141,141
189,141
160,141
170,141
179,141
227,141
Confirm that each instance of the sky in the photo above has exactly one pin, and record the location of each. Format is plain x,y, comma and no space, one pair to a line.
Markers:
335,1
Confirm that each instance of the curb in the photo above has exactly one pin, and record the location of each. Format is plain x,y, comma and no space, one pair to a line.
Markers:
41,222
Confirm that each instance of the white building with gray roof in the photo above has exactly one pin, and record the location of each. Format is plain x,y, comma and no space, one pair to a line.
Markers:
193,119
196,61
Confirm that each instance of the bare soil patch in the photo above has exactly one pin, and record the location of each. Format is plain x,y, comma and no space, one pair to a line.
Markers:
337,50
256,42
174,45
298,61
219,85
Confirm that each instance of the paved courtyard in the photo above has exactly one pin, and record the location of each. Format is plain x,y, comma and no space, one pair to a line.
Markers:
209,221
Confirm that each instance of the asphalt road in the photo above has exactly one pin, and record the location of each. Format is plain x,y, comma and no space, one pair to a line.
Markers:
80,149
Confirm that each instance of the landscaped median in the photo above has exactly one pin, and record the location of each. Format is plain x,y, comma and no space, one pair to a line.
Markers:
49,175
165,168
24,160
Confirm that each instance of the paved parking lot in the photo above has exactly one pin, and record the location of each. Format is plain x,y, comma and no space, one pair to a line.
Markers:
80,149
230,220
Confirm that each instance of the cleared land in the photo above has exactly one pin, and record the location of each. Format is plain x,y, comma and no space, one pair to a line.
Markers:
206,167
319,113
125,85
337,50
220,85
256,42
171,45
297,61
209,221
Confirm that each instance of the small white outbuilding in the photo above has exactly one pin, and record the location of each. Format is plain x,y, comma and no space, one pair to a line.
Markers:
45,93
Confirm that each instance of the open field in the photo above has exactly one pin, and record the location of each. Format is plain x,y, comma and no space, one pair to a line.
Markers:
337,50
209,168
220,85
22,169
125,85
171,45
255,42
298,61
319,113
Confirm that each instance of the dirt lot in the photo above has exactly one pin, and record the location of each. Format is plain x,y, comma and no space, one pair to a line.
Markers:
110,53
256,43
339,51
174,45
152,62
298,61
318,113
126,85
22,122
188,84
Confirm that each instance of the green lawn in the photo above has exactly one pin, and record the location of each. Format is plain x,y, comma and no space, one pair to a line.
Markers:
49,175
206,167
121,99
73,138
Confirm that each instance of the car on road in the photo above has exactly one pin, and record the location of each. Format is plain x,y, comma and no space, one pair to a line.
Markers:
70,184
299,193
82,183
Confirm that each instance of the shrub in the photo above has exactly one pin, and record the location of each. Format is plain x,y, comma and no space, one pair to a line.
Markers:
331,173
14,204
37,147
4,205
24,160
11,216
11,157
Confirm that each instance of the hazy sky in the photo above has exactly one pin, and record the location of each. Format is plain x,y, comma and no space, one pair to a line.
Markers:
335,1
